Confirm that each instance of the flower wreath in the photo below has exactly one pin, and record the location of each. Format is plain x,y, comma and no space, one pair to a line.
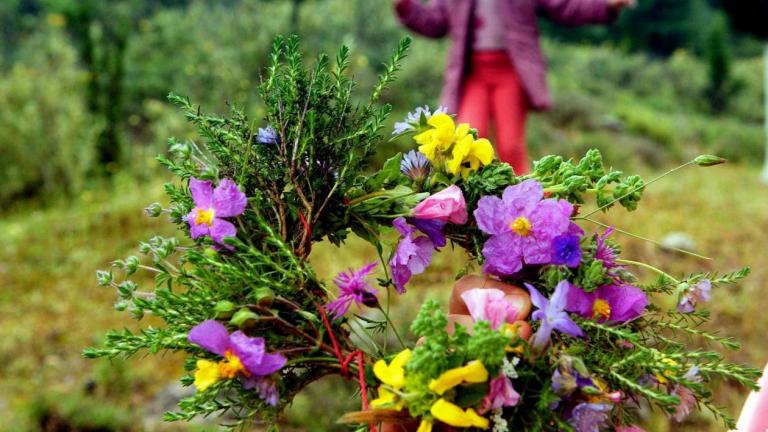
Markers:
237,292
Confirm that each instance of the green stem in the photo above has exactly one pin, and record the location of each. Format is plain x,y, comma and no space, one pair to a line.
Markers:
365,197
649,267
392,325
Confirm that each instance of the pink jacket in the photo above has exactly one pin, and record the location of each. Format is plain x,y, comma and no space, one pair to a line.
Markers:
439,18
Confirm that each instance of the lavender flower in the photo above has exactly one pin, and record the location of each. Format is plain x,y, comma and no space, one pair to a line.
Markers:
522,226
617,303
432,228
268,136
552,315
566,250
589,417
415,166
354,288
244,356
701,291
412,255
211,206
413,119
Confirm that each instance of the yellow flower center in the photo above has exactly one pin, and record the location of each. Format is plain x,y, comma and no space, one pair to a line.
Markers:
204,217
521,226
601,308
232,366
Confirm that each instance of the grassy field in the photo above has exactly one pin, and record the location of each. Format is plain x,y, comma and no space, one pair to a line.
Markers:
51,308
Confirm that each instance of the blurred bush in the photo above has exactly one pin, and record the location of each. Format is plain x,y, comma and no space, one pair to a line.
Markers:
46,134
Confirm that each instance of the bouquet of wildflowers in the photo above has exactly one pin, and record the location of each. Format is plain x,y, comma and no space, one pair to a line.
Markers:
236,292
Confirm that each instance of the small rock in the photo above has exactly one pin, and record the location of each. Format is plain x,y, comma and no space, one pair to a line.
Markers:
679,240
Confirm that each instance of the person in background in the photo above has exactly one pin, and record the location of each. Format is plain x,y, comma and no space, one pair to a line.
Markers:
496,71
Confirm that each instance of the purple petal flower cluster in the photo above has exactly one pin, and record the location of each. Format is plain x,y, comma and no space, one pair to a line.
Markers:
552,315
245,356
415,166
212,206
614,303
412,255
353,288
700,292
522,226
590,417
413,119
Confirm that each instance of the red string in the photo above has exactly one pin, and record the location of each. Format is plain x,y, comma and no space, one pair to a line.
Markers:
344,361
307,229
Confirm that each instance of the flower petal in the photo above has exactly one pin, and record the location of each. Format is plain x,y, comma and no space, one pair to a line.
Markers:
210,335
228,200
202,192
221,229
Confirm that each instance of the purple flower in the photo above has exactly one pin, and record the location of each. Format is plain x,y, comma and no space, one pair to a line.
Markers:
604,252
267,135
552,315
617,303
500,394
244,356
687,402
415,166
266,388
413,119
701,291
589,417
566,250
211,206
432,228
412,255
522,226
489,305
354,288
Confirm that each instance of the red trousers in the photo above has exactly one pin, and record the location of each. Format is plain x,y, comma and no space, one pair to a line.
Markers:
492,94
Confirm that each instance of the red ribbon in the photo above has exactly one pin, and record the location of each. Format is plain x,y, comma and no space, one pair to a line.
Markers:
307,229
345,361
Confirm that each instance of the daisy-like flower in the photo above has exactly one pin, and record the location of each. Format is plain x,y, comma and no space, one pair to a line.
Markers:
613,303
699,292
589,417
415,166
245,357
413,119
353,288
551,312
212,206
412,255
468,154
522,226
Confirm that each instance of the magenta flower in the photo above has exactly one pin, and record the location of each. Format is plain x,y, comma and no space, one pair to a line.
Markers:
589,417
245,357
699,292
211,206
501,394
616,303
448,205
412,255
489,305
552,315
522,227
605,252
354,288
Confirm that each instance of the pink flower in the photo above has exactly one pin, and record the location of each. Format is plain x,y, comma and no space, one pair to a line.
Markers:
687,402
501,394
212,206
489,305
448,205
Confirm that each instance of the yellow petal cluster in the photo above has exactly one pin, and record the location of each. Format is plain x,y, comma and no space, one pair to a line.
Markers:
207,374
392,375
473,372
467,154
453,415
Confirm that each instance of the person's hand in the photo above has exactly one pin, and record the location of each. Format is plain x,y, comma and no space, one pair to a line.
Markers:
518,297
621,4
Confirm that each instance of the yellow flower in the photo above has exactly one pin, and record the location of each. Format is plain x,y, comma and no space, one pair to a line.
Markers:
393,374
425,426
662,378
387,399
438,138
469,154
453,415
473,372
207,374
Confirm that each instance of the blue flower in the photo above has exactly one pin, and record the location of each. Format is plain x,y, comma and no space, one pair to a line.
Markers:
415,165
566,250
589,417
267,135
552,315
413,119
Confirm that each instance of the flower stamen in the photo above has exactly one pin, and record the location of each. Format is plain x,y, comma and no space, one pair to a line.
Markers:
521,226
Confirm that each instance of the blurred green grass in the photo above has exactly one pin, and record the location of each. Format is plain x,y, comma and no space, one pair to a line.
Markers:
51,308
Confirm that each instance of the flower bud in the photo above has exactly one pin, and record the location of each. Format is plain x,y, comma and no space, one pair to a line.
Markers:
709,160
154,210
244,318
224,309
264,296
104,278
